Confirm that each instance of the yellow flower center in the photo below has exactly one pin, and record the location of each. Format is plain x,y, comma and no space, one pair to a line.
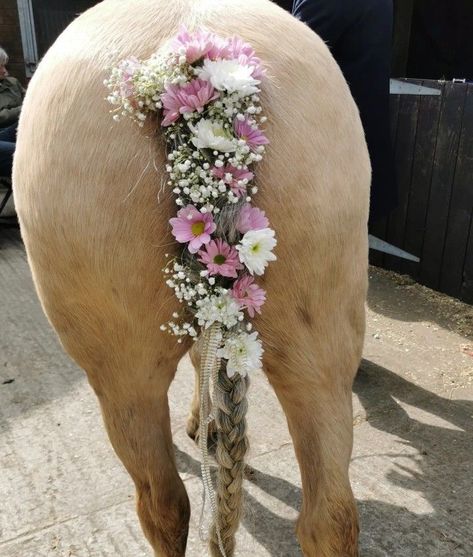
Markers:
219,132
198,228
255,248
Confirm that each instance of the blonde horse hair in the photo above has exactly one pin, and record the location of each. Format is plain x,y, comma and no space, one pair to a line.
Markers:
232,446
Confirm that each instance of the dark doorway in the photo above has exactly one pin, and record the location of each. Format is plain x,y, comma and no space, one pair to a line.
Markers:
51,17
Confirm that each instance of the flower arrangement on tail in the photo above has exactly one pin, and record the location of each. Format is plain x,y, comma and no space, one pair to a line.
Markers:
206,90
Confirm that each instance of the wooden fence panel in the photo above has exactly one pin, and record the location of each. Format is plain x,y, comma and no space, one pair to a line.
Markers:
421,177
442,182
461,207
433,151
466,292
403,158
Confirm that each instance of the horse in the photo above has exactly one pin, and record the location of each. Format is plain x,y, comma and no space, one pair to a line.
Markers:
94,217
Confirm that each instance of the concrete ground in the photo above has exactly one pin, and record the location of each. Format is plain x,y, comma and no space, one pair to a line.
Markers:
64,493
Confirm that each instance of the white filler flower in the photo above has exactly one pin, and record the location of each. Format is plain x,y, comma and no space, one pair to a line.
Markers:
243,352
229,75
255,249
219,308
212,135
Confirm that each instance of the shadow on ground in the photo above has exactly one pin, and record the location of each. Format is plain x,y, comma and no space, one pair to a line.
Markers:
443,458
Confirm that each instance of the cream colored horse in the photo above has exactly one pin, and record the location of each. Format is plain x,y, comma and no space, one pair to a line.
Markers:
95,229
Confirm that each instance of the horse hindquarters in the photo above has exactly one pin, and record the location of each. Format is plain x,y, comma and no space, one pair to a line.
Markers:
96,235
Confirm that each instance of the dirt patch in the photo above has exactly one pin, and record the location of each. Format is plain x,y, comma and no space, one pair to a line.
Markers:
418,303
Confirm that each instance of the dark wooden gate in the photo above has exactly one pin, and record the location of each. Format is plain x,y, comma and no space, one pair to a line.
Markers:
433,150
51,17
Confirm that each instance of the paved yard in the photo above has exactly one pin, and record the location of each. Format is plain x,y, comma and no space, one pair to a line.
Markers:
64,493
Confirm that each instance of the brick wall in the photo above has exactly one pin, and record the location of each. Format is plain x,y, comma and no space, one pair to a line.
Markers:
10,38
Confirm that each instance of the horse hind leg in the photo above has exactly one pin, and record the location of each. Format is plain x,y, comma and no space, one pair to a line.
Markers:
130,370
139,430
311,360
319,415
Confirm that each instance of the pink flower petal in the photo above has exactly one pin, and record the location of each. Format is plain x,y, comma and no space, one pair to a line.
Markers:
220,259
252,135
248,294
182,227
251,218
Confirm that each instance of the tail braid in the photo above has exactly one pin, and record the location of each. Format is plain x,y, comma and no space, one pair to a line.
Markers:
232,445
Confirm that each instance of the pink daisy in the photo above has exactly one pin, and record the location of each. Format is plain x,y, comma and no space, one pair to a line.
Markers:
220,258
192,96
258,70
244,53
129,68
231,176
220,49
251,218
196,44
192,226
238,46
248,294
252,135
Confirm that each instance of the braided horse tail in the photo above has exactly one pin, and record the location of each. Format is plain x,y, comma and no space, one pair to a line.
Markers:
231,406
229,409
222,231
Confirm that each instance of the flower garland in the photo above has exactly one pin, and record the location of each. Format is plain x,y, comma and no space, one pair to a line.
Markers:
206,90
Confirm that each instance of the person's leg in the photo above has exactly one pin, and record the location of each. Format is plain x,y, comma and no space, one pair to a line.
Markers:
9,133
7,148
6,158
364,54
359,35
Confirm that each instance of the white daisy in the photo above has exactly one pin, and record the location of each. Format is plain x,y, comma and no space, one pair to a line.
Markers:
212,135
243,352
255,249
229,75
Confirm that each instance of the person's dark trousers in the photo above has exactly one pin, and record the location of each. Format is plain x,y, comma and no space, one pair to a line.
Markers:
7,148
359,35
